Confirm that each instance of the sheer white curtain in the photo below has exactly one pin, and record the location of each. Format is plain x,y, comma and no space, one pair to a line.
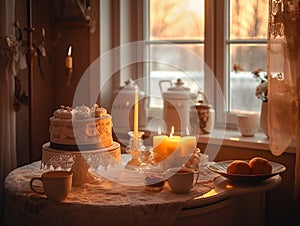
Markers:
284,79
7,113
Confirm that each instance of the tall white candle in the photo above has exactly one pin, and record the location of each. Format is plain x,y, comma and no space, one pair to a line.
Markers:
136,112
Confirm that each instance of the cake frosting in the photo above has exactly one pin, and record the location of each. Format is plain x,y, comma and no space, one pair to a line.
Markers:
81,128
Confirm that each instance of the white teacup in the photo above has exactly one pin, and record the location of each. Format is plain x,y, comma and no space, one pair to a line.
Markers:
248,124
56,184
181,180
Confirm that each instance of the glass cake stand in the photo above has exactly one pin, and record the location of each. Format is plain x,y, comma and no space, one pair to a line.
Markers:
81,163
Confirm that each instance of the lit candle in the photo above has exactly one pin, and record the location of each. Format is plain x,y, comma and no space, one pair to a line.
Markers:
188,143
164,146
159,131
160,145
69,59
173,144
136,112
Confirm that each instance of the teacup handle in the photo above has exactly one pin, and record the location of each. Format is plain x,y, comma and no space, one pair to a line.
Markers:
195,182
32,187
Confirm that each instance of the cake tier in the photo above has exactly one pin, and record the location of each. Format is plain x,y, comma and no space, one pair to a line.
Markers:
81,134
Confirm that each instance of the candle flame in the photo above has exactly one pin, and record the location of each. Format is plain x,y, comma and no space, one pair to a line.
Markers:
187,131
70,51
43,32
172,130
159,131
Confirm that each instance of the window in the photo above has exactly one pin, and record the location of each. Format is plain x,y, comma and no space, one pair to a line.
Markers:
225,33
175,33
246,48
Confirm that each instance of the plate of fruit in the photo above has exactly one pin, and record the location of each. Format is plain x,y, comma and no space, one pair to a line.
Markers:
254,170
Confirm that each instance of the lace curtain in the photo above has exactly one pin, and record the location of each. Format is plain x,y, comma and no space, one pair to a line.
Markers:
284,79
7,113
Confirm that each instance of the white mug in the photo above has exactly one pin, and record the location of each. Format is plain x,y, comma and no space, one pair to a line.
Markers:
181,180
248,124
56,184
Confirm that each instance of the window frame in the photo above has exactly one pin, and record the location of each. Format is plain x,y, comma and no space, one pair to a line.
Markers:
156,112
216,53
231,116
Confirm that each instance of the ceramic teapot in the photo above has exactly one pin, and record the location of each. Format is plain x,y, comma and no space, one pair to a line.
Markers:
123,104
177,102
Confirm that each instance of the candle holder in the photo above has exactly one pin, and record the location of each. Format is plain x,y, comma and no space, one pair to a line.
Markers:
69,74
139,153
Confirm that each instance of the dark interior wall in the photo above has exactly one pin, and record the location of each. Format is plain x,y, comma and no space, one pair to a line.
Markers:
22,115
51,90
76,36
41,100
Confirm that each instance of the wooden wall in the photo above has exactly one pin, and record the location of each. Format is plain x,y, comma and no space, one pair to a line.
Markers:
50,91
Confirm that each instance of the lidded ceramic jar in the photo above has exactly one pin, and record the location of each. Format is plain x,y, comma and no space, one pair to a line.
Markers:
123,107
177,102
202,118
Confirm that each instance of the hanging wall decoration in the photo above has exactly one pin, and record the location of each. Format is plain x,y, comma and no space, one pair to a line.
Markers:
17,53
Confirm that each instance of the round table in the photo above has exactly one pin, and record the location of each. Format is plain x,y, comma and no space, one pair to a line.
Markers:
212,201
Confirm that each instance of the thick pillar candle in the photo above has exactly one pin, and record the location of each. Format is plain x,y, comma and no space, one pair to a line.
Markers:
188,145
160,145
173,144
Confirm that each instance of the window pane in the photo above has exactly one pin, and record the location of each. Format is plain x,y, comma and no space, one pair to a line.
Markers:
247,48
242,81
176,19
249,56
248,19
170,62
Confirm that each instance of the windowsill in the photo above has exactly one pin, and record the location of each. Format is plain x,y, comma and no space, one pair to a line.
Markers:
229,138
233,138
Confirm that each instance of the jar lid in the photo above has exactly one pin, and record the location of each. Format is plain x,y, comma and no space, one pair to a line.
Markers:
129,87
201,106
179,86
179,91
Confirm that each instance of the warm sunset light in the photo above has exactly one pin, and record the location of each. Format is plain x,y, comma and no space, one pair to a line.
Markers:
167,23
150,112
169,18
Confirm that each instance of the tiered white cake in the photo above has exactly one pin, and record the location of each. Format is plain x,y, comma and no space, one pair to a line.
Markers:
81,128
80,139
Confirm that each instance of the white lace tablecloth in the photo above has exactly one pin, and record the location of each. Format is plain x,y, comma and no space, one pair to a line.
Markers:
102,203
